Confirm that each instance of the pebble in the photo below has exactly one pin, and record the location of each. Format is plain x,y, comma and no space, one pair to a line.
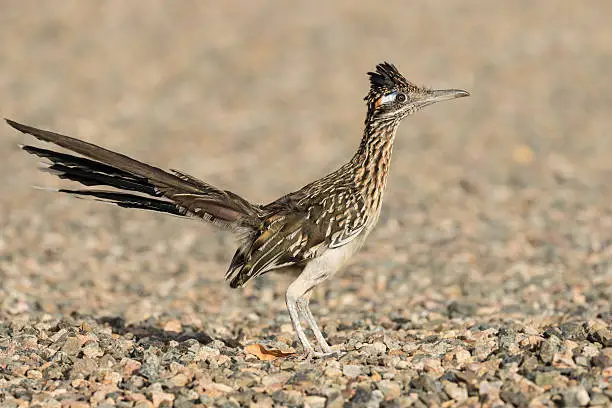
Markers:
390,389
576,396
72,346
159,397
333,372
34,374
455,391
352,371
379,347
92,350
314,401
180,380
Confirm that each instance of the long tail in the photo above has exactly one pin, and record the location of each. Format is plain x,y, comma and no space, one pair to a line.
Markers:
140,185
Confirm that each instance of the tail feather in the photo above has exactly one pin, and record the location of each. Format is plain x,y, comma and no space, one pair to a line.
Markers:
89,172
127,200
81,162
91,179
182,193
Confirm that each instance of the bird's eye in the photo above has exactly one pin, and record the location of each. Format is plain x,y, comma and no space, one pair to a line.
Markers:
393,97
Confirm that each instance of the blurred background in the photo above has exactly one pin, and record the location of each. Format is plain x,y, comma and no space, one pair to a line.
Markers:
501,200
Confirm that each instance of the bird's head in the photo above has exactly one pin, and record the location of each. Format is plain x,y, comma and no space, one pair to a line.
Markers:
392,97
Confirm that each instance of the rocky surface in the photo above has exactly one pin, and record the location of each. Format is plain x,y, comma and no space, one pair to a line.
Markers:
487,282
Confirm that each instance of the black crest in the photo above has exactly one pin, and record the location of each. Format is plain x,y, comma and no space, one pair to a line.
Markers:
386,79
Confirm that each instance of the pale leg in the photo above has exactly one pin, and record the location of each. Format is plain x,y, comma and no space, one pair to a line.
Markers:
303,306
315,272
294,291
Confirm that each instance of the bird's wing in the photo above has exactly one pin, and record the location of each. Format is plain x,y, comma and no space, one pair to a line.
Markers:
296,236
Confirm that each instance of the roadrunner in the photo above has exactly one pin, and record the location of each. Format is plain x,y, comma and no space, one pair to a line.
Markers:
311,232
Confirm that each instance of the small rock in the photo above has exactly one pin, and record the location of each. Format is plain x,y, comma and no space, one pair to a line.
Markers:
246,380
391,343
72,346
590,350
549,348
379,347
151,365
260,401
512,394
286,328
314,401
84,366
92,350
573,331
78,404
129,366
433,365
490,389
34,374
294,397
333,372
107,361
158,397
377,398
351,371
576,396
455,391
110,377
180,380
335,401
173,326
530,363
462,356
603,359
547,378
598,399
205,353
390,389
426,383
59,335
79,382
287,365
601,334
582,361
53,373
277,380
362,396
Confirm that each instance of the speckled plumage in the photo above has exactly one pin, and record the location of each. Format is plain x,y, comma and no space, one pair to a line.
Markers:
313,231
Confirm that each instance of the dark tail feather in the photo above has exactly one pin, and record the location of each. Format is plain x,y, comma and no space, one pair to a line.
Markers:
127,200
91,173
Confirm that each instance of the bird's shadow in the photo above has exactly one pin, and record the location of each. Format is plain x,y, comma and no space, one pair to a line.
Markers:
148,330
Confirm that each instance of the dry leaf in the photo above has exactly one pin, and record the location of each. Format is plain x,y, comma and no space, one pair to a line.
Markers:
263,353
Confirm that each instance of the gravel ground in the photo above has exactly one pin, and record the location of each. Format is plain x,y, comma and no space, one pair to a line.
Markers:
487,282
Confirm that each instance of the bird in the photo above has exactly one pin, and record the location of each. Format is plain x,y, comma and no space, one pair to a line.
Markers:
309,233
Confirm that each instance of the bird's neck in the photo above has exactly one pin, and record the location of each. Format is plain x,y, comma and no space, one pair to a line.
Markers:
372,160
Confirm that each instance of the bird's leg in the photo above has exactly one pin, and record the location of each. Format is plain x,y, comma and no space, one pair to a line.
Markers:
303,304
313,274
294,292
